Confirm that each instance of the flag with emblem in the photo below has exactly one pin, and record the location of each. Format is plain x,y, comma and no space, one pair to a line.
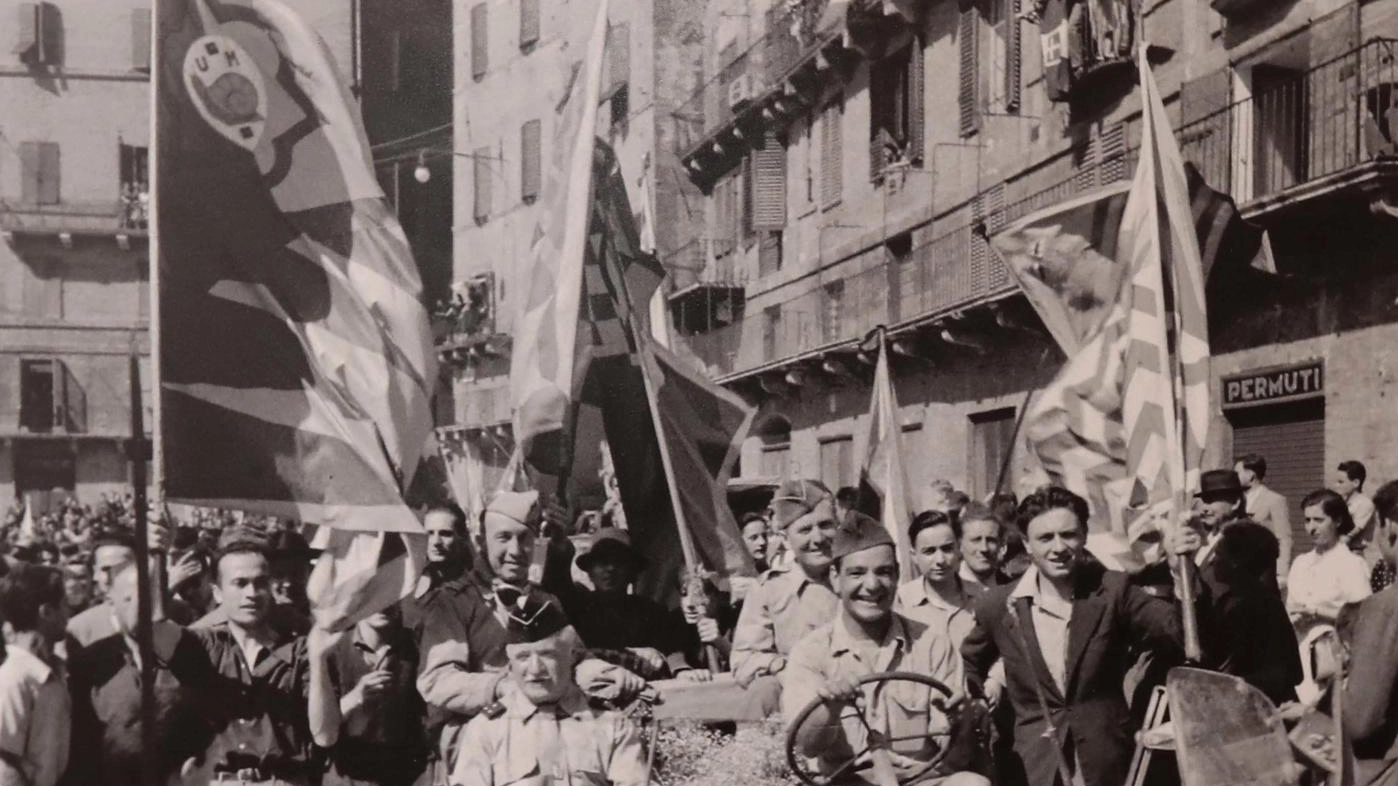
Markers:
1119,279
884,493
296,361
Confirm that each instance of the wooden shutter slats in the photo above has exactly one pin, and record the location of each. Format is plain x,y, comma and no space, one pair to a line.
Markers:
769,184
968,29
528,22
481,175
831,176
531,173
1013,64
917,88
480,61
1112,151
26,28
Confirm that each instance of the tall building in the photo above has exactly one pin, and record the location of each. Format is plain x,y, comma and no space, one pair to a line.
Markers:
854,155
74,247
514,62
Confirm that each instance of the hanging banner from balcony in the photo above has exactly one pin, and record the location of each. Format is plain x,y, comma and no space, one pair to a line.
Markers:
1076,36
296,357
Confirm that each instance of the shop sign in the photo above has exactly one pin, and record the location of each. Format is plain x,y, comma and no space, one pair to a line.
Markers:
1276,385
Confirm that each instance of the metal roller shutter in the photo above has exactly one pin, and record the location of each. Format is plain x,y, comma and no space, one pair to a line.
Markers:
1292,439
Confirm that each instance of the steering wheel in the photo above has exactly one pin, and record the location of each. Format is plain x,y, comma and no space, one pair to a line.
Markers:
875,744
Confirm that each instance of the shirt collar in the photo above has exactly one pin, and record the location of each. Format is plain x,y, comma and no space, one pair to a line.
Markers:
248,646
28,664
517,705
841,640
1028,587
914,593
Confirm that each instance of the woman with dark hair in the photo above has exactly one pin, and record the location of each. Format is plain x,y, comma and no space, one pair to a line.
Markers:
1326,578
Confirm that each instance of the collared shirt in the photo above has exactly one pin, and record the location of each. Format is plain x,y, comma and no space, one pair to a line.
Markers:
776,615
1050,616
1323,583
383,743
91,626
570,744
972,585
895,709
35,716
947,619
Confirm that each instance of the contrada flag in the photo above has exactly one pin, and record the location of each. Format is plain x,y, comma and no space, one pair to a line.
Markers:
550,358
1126,420
296,359
883,480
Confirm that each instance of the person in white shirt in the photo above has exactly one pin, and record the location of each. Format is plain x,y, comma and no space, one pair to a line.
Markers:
1348,482
1325,578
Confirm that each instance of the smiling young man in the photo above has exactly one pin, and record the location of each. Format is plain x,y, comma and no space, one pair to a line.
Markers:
1064,632
796,598
866,637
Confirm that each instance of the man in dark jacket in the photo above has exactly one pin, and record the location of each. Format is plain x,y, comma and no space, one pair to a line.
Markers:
1253,634
1064,632
1371,690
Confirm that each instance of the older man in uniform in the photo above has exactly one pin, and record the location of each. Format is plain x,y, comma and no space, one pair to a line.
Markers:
796,598
543,732
866,637
466,626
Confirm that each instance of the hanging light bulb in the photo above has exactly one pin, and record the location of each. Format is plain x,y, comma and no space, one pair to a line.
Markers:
422,174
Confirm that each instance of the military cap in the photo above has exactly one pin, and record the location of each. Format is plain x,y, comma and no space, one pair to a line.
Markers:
858,533
241,536
796,498
519,506
534,617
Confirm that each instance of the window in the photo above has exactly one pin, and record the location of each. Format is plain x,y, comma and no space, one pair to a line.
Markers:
831,161
479,41
135,185
43,288
39,173
530,140
837,462
769,252
481,175
39,34
768,184
775,460
988,40
726,202
896,111
140,39
834,311
992,443
771,332
528,23
43,406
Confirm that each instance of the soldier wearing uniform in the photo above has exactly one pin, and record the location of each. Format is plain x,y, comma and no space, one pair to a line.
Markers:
543,731
794,599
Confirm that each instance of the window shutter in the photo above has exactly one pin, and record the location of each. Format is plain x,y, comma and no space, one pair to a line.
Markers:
618,56
481,174
831,176
967,31
1013,67
747,196
140,39
528,22
769,184
479,41
996,218
29,172
1086,177
530,139
27,29
1111,150
917,79
47,178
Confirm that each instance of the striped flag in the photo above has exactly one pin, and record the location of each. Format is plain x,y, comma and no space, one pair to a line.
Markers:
884,492
1126,420
297,364
550,356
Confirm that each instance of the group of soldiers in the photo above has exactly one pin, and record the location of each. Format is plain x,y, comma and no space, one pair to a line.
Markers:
483,676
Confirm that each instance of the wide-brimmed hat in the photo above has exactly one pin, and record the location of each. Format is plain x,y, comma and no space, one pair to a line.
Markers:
611,543
1219,482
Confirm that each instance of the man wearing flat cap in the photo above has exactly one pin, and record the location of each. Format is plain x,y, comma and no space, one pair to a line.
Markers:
466,624
543,731
796,598
866,636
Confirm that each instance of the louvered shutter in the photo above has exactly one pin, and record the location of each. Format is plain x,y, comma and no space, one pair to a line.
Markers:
528,22
1111,153
480,61
769,184
140,39
1086,177
996,219
917,86
46,170
26,28
618,56
1206,127
1013,65
530,176
29,172
481,174
748,198
831,161
967,31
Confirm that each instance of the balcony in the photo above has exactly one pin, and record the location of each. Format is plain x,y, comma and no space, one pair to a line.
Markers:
710,293
123,217
464,327
1330,129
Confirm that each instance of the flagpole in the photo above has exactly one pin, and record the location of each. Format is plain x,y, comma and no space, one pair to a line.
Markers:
691,558
136,451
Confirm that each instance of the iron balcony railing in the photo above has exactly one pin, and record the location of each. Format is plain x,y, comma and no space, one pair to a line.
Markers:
1339,115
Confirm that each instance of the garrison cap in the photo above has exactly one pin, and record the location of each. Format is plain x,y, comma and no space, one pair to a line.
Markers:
519,506
535,618
796,498
858,533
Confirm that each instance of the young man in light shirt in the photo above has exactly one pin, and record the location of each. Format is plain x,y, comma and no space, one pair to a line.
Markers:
36,713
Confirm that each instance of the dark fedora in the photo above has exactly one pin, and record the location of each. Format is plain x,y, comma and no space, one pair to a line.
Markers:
612,543
1220,483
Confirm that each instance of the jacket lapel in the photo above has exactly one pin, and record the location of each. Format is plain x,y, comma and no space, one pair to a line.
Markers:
1087,614
1022,626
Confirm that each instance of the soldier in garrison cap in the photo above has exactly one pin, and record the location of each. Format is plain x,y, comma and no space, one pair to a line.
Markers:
793,599
542,731
469,622
866,636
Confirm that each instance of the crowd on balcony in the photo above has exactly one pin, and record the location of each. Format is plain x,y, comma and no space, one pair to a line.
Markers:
1047,653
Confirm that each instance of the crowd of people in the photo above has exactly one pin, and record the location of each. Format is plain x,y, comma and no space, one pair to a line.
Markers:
484,676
